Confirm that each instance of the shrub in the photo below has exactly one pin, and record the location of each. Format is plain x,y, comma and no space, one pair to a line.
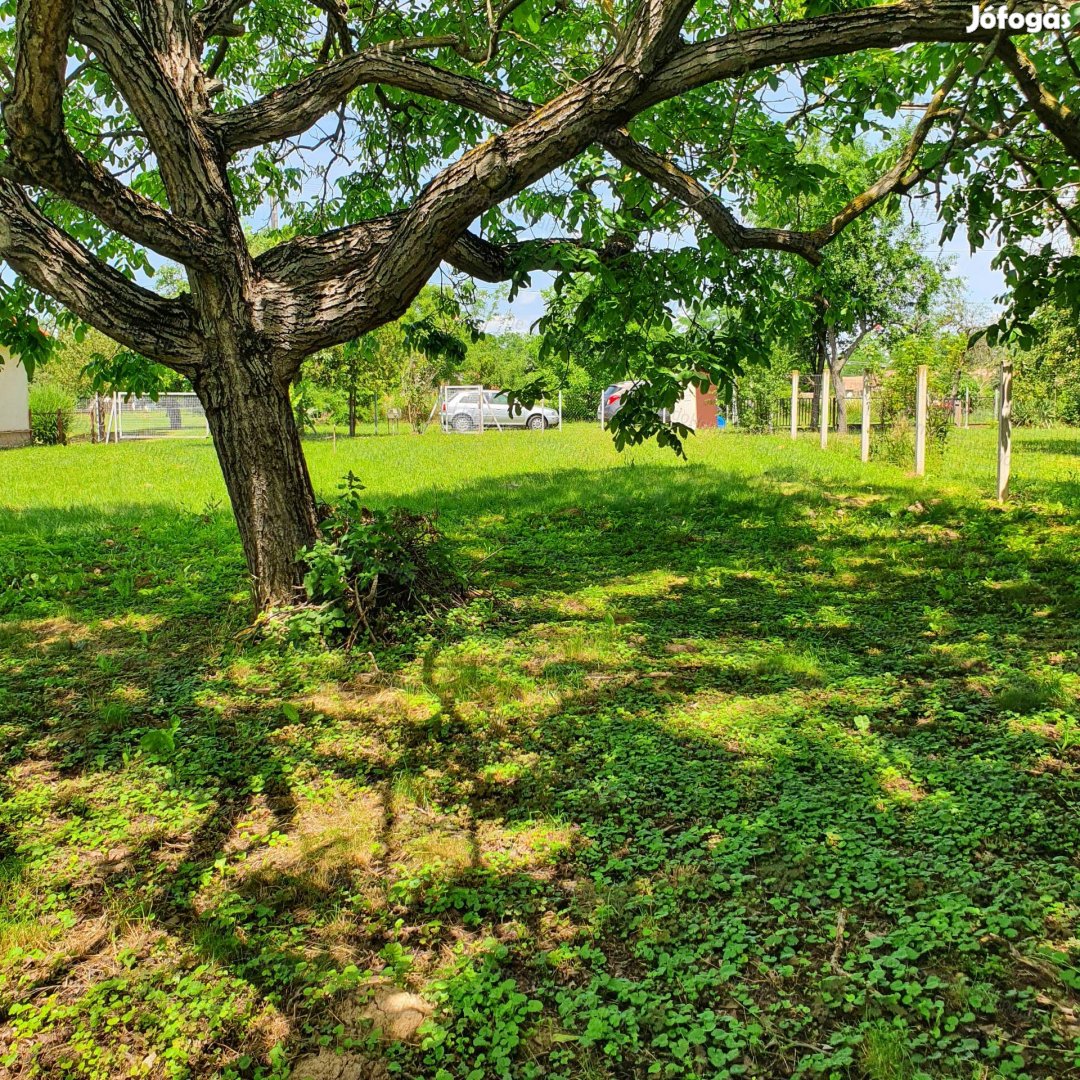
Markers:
52,411
372,566
896,442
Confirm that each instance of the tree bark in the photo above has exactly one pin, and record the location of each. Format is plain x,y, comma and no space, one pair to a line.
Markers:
258,445
819,350
836,367
352,412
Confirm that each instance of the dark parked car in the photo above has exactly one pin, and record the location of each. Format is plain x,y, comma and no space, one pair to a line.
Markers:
612,400
614,397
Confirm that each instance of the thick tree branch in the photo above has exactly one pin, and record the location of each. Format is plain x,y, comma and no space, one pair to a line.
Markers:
341,252
154,67
481,259
887,26
1059,119
901,177
216,17
697,197
306,260
36,106
55,264
294,108
497,169
407,73
41,153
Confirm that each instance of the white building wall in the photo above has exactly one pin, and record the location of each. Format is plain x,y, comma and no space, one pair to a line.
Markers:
14,403
685,411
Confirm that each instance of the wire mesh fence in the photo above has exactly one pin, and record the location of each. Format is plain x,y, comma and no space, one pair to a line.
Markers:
891,399
752,411
174,416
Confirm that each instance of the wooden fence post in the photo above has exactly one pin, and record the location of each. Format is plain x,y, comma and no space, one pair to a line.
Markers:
920,420
794,404
864,431
824,407
1005,431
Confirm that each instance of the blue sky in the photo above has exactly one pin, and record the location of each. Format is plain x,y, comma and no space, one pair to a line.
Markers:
982,284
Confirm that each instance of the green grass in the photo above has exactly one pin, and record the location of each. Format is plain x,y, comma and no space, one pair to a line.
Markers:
764,764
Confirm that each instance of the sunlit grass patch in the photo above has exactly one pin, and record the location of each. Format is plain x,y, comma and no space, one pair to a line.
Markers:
884,1053
899,788
325,838
755,728
474,675
436,848
800,667
1030,692
24,927
531,845
198,1014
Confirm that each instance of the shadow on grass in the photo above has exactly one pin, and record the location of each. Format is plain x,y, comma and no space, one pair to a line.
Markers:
708,748
1032,442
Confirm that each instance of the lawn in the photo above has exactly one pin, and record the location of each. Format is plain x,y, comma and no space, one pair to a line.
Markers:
765,764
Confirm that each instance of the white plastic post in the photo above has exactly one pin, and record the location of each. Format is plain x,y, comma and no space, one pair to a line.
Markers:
824,407
1004,467
794,405
864,431
921,383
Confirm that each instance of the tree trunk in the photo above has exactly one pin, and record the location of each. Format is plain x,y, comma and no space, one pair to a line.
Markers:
258,446
820,347
352,412
836,367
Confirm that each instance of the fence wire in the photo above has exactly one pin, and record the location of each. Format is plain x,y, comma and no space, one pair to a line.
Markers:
174,416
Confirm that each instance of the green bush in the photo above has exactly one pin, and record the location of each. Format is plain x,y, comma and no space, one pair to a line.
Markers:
52,411
372,567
